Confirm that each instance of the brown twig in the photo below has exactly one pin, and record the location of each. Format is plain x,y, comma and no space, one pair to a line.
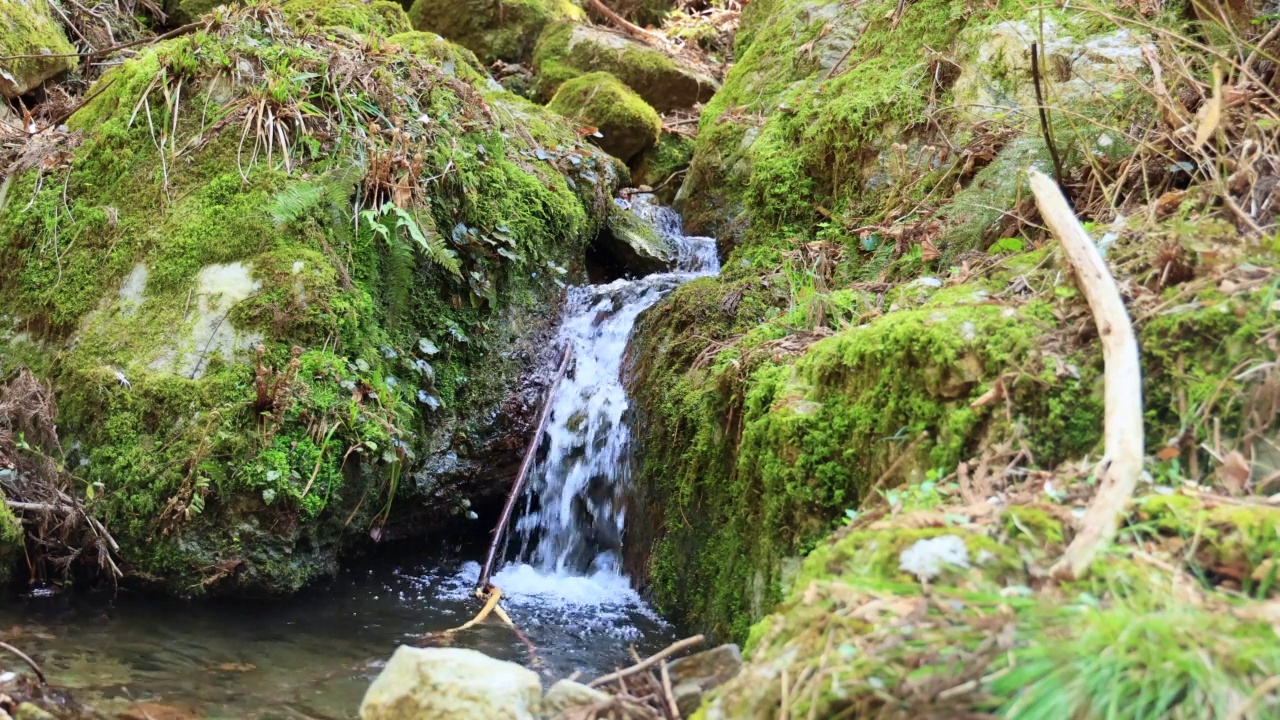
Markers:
27,659
622,23
670,650
1044,115
529,453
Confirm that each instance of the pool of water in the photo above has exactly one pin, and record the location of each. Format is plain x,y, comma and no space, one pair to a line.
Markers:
313,656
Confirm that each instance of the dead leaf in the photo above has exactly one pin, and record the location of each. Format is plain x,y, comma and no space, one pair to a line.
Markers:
1168,452
1234,472
1211,112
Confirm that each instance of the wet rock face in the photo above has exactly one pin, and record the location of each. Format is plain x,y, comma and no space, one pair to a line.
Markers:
27,27
629,246
451,683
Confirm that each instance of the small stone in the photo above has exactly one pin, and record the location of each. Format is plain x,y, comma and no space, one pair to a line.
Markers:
29,711
455,683
693,676
567,695
927,558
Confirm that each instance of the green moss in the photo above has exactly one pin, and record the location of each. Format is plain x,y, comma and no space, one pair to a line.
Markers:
627,123
12,537
1034,524
29,28
224,469
453,59
380,16
658,165
568,50
508,34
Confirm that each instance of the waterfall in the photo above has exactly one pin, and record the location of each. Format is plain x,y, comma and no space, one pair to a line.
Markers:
574,514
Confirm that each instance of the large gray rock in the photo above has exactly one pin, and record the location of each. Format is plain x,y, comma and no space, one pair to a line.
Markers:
996,76
452,684
27,27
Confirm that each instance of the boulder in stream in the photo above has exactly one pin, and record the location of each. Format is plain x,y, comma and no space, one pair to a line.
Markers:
453,683
629,245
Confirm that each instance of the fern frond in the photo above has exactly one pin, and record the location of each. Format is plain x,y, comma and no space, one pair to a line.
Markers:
295,201
429,241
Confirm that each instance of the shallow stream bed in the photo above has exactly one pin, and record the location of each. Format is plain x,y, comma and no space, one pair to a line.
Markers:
314,655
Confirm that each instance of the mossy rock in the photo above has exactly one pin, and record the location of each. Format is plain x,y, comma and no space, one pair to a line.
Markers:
628,125
452,58
568,50
381,17
493,31
254,380
657,166
632,246
28,27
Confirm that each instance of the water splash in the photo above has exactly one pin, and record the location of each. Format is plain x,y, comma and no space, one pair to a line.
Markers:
574,514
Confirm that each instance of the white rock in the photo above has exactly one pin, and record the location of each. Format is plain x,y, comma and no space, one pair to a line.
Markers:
452,684
927,558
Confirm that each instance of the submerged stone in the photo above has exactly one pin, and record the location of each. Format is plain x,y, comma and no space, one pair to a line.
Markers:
454,683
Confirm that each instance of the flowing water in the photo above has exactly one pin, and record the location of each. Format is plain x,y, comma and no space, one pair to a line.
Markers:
574,516
313,656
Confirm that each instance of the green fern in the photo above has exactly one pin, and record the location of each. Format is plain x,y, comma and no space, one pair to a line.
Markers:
333,187
429,242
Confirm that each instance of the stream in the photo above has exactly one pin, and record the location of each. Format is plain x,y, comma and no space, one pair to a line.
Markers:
313,656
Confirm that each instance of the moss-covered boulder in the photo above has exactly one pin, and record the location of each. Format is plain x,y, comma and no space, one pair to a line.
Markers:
452,59
380,17
568,50
289,305
28,27
625,124
493,31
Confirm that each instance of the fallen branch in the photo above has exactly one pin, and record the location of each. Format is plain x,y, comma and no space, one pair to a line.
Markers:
671,649
622,23
529,453
1122,421
27,659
